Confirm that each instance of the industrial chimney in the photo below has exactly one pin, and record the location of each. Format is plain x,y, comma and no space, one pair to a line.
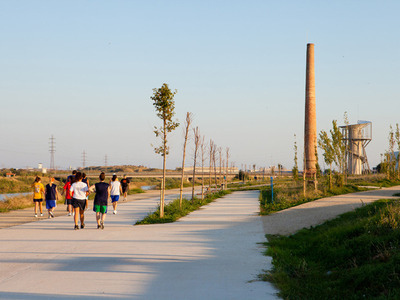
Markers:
310,122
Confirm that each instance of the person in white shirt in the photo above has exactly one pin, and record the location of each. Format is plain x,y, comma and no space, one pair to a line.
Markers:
79,191
115,192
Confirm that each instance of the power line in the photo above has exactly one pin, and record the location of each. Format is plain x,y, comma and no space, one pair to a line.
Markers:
52,150
83,159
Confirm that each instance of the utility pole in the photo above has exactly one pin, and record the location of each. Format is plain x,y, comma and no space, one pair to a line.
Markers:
52,150
105,160
83,159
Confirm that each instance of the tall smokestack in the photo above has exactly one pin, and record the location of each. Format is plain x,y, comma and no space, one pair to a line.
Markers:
310,122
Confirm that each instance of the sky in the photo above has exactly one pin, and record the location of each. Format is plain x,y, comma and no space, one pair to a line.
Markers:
84,71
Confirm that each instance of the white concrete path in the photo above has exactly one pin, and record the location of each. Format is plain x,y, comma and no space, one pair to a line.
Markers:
213,253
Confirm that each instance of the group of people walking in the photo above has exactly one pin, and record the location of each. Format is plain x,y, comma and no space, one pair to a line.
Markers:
77,190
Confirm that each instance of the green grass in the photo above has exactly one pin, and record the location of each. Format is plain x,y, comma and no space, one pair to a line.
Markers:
172,211
355,256
286,197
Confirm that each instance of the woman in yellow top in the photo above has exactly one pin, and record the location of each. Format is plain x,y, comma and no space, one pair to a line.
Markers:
38,195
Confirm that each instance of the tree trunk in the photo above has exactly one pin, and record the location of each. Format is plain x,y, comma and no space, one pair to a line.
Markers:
164,171
194,174
187,125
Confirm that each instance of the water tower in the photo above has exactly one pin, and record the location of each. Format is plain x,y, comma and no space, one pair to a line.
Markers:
356,138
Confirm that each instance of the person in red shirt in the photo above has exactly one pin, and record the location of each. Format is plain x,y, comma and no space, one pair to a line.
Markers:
68,196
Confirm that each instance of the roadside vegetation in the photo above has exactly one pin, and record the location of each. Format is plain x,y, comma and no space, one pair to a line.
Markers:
173,211
288,192
355,256
21,202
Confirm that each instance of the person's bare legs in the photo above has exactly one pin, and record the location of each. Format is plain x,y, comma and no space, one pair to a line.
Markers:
36,207
40,208
98,219
76,216
82,217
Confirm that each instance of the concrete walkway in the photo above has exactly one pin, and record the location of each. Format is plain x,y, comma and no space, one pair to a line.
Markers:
214,253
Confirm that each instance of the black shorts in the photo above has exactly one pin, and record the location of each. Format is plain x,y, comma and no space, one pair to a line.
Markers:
81,203
124,189
37,200
68,201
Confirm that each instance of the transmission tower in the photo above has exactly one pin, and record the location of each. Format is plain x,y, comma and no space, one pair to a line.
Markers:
83,159
105,160
52,150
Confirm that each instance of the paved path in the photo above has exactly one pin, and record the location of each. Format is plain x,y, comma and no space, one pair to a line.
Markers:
213,253
21,216
316,212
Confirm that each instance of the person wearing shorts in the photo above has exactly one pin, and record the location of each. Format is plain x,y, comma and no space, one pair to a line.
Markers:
100,202
86,180
38,195
115,192
80,190
51,197
125,186
68,196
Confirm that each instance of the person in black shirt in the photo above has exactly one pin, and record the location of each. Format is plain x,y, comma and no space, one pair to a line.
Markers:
51,194
100,203
125,186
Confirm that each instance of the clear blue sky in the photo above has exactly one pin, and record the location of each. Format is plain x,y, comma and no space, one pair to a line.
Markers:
84,71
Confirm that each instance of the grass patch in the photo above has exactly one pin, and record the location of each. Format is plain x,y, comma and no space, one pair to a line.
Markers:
21,202
172,211
378,180
355,256
289,196
17,202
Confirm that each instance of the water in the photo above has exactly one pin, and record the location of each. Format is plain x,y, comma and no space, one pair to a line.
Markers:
4,196
148,187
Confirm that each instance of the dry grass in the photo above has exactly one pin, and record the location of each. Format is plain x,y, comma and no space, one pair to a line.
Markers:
17,202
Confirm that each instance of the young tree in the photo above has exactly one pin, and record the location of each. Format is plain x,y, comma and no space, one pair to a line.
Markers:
196,134
295,170
339,148
214,158
163,101
227,165
397,138
188,121
325,143
211,150
203,159
220,165
391,155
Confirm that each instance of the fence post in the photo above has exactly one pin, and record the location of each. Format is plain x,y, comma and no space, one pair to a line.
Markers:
272,189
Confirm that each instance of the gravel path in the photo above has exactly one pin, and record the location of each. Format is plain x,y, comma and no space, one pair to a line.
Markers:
316,212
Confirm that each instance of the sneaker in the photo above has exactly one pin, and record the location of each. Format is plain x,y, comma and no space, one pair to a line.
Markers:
83,225
49,217
115,212
35,215
41,214
51,214
76,227
69,214
98,226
